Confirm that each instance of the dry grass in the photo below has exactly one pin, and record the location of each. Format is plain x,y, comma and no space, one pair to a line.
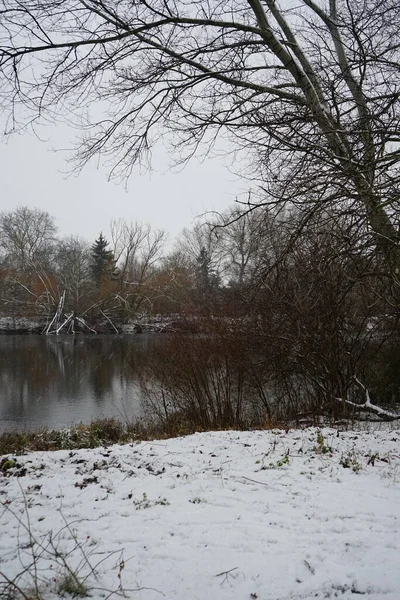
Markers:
102,432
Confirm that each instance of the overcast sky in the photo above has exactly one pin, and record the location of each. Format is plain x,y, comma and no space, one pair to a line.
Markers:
33,174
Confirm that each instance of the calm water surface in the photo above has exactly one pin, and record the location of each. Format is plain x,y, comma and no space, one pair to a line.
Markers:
56,381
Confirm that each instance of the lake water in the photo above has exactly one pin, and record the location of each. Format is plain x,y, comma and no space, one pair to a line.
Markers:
57,381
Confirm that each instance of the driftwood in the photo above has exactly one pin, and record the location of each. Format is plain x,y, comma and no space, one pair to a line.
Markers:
67,320
109,320
83,322
385,415
57,315
68,323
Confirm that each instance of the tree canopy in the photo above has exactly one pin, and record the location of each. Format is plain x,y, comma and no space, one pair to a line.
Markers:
310,89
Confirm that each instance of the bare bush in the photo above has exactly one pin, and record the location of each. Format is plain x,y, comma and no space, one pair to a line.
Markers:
200,379
74,565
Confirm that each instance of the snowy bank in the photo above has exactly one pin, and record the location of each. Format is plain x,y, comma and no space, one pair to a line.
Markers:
21,324
212,516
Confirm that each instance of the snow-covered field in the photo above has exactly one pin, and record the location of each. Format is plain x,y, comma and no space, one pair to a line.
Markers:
212,516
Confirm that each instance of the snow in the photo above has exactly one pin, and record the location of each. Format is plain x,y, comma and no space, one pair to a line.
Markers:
15,324
272,515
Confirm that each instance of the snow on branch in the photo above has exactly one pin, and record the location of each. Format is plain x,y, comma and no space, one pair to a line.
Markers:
369,406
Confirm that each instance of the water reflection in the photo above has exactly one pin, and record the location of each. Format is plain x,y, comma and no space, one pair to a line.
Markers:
55,381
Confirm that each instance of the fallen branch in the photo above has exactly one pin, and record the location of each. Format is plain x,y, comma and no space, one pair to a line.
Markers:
109,320
254,481
67,320
226,574
385,415
57,315
95,305
82,322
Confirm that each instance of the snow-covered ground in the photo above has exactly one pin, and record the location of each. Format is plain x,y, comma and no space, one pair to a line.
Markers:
212,516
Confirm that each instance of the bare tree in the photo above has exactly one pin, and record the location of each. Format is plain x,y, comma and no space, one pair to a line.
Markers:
312,88
27,235
203,236
72,270
27,238
177,271
244,240
320,319
201,245
136,249
127,240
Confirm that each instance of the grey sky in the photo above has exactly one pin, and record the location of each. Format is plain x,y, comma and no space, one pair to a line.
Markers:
34,175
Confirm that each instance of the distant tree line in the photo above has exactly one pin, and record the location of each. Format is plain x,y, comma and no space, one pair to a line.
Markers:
37,267
209,271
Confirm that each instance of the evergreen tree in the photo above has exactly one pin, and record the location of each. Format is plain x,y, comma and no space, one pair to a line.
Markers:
207,280
102,261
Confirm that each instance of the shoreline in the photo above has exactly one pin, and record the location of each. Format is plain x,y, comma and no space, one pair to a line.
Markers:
106,432
100,432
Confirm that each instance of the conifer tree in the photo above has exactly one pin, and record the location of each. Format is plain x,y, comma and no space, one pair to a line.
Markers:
102,263
207,280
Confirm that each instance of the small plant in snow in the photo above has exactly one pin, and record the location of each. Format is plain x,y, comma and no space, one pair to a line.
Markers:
349,460
162,502
322,447
144,502
7,463
72,586
282,462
